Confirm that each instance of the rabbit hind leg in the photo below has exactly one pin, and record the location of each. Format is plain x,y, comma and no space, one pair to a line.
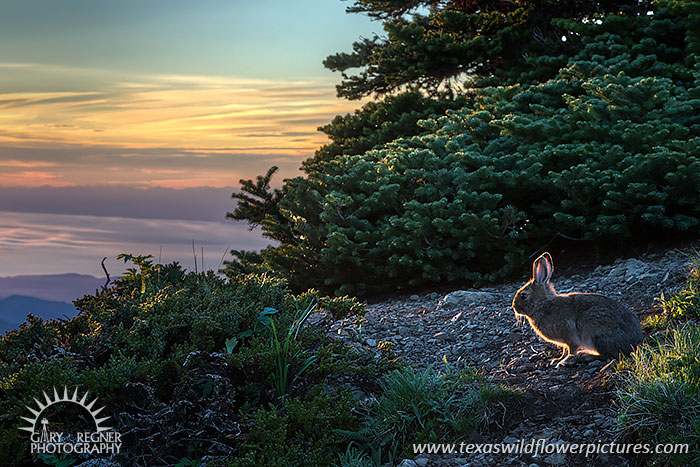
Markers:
586,356
587,352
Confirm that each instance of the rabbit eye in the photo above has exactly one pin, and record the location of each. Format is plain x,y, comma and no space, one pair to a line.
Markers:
524,295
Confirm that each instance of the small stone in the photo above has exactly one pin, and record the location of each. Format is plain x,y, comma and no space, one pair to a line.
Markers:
408,463
609,421
464,298
444,336
421,461
616,273
518,363
558,458
371,342
588,433
634,267
414,297
510,440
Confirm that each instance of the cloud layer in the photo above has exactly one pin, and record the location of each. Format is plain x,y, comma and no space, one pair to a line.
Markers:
57,243
200,204
84,127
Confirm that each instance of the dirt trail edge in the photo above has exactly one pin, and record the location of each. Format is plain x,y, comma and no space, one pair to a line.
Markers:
560,404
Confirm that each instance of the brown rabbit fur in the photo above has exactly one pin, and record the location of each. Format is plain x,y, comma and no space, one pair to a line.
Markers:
581,323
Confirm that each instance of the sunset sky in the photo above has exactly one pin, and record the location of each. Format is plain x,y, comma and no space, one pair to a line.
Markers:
108,106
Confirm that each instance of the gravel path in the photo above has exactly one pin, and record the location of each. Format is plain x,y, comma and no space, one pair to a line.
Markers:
561,404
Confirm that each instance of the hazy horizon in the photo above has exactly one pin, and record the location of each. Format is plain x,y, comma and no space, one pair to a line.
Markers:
38,243
52,231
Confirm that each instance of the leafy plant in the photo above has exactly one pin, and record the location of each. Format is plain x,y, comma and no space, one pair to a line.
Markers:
355,457
144,351
284,353
187,462
144,264
339,307
298,431
264,320
63,461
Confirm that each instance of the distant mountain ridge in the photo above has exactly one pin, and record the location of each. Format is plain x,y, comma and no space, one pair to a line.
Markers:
50,287
14,310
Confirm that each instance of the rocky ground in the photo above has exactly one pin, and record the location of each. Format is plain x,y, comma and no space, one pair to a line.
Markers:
560,404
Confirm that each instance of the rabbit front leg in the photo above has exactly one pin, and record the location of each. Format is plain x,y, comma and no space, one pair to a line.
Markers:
574,354
571,354
569,360
566,356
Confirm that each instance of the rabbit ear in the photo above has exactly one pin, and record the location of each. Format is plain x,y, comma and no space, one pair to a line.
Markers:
549,264
542,268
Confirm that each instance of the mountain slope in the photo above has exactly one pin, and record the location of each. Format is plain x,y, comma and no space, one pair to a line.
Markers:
14,310
52,287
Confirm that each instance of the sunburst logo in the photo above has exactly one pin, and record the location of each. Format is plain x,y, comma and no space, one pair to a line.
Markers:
101,441
57,400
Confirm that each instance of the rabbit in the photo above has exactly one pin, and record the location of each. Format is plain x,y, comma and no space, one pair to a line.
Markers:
586,325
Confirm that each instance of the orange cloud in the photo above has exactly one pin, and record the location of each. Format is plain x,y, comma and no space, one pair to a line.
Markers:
177,111
25,164
31,178
194,116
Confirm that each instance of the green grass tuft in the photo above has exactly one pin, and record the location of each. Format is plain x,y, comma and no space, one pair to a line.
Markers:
683,305
421,407
659,396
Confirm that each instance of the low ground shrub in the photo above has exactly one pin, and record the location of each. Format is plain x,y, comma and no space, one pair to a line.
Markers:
196,370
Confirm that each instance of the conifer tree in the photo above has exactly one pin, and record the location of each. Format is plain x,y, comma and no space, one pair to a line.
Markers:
605,150
434,45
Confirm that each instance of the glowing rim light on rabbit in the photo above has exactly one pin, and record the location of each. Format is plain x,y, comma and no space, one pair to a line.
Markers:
582,324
